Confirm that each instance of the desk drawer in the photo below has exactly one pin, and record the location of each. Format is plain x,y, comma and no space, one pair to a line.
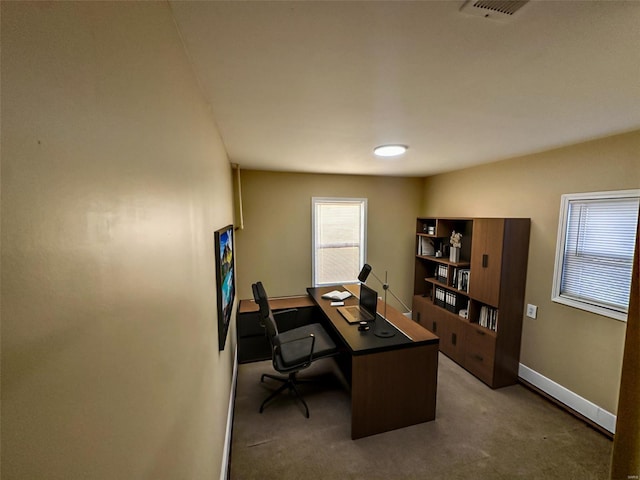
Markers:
480,355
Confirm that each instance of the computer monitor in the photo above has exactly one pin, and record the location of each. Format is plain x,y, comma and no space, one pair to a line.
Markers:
368,299
369,302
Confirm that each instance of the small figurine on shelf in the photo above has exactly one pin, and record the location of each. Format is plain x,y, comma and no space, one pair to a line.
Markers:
456,244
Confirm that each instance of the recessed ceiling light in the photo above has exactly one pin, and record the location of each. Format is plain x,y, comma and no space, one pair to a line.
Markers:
390,150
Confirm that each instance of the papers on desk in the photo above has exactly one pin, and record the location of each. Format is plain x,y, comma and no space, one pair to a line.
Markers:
336,295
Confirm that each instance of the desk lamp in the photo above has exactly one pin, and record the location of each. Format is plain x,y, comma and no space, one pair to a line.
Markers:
362,277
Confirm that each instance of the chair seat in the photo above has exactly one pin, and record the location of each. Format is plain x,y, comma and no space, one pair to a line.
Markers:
293,353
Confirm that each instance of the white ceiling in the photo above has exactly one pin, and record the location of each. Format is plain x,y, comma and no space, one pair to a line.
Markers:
313,86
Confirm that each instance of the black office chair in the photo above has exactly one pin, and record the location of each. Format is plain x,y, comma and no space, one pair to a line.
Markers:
293,350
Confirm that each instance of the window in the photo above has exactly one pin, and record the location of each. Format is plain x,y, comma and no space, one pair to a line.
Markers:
594,253
339,239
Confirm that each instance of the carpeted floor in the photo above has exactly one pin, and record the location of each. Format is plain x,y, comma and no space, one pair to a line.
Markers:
478,434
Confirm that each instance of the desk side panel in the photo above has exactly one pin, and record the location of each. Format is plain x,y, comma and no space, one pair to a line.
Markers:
393,389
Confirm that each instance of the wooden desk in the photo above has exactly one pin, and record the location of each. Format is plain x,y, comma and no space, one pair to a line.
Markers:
393,380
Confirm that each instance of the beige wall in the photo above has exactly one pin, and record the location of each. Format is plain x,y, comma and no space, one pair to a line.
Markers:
579,350
113,180
275,245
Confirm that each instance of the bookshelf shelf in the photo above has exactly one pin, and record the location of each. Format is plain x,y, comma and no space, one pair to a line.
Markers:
444,285
479,325
444,261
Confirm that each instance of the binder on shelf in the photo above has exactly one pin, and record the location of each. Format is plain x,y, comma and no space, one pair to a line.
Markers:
451,301
442,273
439,297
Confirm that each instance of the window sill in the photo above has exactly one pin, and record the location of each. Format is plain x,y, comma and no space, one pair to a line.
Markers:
588,307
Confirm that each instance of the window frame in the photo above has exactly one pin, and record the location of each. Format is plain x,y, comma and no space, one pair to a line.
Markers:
556,295
363,232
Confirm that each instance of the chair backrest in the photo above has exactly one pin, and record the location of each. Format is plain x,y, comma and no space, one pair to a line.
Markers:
266,315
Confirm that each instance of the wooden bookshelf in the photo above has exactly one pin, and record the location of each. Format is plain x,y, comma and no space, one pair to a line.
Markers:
479,325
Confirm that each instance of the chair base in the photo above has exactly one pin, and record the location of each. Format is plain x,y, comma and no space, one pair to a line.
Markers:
289,383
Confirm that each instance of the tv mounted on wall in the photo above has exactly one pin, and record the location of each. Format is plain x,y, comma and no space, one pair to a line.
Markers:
225,280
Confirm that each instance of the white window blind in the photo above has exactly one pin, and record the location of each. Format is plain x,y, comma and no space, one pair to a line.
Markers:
595,251
339,239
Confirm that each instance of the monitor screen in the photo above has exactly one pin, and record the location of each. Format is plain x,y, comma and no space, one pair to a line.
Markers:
368,299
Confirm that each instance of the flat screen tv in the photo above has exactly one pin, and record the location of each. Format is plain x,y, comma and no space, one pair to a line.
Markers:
225,280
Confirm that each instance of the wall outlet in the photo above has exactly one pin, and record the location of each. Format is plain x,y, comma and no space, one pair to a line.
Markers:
532,311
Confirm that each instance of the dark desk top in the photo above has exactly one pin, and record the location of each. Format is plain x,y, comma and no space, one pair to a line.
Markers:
408,332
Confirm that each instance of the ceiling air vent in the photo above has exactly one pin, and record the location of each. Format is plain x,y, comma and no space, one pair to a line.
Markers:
494,9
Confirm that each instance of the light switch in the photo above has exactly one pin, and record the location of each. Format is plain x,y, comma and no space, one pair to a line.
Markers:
532,311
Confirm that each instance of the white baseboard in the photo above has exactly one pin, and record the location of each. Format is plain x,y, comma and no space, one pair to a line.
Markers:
572,400
224,471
